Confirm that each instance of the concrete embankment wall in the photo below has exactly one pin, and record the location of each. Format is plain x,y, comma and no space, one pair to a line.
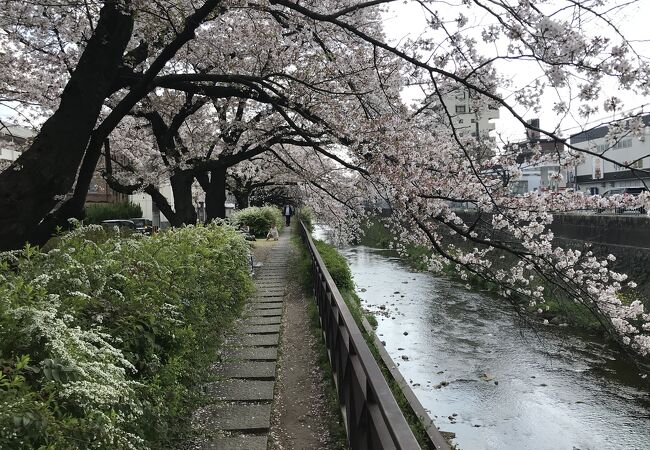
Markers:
621,230
625,236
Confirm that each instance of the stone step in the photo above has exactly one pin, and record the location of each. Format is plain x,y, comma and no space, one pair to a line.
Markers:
268,299
252,442
259,340
267,305
235,417
271,293
266,320
270,285
265,312
247,369
241,390
252,353
261,329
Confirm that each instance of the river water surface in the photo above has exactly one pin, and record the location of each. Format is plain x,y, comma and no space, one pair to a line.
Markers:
509,386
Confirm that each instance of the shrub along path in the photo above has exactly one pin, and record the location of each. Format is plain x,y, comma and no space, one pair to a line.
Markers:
239,414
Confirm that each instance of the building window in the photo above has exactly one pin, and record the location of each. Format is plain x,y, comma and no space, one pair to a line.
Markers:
626,143
461,109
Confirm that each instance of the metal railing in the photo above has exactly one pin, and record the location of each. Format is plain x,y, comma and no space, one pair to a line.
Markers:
372,417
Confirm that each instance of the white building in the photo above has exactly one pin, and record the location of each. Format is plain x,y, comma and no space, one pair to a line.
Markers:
596,175
470,114
12,139
150,210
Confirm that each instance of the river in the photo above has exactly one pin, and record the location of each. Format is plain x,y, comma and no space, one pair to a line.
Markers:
490,378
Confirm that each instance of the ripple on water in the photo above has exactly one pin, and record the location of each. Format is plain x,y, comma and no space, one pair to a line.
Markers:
556,390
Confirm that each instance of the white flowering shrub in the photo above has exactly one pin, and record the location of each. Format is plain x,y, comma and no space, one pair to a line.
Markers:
259,219
100,338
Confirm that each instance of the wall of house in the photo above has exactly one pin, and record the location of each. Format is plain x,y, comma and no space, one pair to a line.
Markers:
149,209
602,175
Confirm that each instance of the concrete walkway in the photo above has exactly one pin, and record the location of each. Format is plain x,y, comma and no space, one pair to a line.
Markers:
240,416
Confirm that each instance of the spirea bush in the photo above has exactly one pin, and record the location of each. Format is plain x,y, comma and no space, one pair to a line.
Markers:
259,219
101,338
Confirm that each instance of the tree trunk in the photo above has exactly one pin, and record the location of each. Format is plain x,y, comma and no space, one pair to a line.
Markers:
242,197
28,189
215,195
182,189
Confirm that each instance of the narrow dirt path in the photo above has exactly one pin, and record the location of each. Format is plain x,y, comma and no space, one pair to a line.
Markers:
301,414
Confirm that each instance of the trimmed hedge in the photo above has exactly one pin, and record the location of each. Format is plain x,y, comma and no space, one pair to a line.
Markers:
96,213
306,215
259,219
102,339
336,265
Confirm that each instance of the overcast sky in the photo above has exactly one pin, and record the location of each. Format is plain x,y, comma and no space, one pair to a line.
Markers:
408,20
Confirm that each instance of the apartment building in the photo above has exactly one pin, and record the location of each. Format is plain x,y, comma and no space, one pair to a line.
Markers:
469,115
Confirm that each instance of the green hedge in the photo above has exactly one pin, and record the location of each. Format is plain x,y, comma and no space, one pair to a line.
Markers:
102,338
96,213
336,265
259,219
306,215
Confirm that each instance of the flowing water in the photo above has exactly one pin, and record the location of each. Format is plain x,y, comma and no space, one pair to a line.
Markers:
490,378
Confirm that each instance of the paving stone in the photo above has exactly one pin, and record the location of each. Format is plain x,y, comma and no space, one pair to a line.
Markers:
261,329
237,443
253,353
248,369
241,390
232,417
271,293
265,312
267,305
262,283
259,340
271,285
258,320
268,299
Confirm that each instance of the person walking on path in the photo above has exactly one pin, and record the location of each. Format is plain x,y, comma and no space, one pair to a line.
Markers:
287,210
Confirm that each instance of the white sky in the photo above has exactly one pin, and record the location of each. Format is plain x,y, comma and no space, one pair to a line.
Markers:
408,21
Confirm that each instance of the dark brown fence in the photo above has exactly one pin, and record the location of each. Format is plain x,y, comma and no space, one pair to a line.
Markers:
373,418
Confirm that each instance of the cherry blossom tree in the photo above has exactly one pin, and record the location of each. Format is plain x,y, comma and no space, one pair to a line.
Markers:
330,80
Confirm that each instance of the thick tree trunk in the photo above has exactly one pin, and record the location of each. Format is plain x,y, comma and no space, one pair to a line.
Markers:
182,189
242,197
49,167
71,208
215,195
